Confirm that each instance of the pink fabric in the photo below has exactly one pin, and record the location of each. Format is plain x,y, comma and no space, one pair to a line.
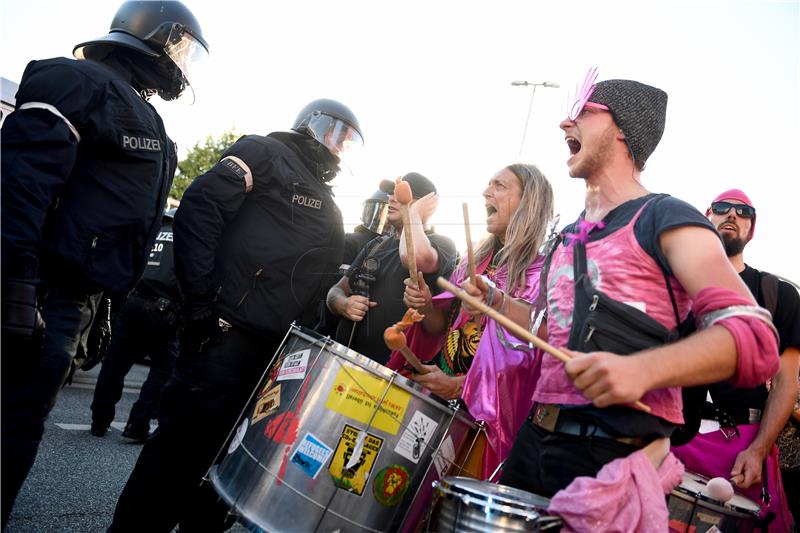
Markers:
712,455
756,343
619,267
498,385
627,495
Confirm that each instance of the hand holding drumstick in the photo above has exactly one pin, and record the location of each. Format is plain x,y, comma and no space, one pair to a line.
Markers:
589,384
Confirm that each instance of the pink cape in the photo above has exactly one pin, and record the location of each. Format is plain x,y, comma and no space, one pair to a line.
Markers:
499,385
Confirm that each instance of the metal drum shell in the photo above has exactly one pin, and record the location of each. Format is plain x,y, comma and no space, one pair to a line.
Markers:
267,490
469,505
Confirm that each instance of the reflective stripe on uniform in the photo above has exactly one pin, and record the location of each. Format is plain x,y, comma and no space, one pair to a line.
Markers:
245,170
53,110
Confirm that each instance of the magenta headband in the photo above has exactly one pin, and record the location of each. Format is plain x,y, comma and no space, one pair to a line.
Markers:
734,194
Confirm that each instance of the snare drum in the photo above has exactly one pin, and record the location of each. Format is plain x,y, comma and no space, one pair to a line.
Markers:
466,504
691,510
333,440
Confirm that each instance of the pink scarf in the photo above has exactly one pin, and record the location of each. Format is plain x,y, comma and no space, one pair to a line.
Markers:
626,496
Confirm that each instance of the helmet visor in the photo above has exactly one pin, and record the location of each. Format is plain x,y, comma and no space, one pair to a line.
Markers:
185,51
373,216
338,136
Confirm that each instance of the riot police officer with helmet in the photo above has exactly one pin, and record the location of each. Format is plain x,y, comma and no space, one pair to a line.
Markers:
146,324
256,237
86,169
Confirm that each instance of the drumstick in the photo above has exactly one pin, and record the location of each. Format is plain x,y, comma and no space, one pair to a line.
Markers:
470,254
515,328
396,340
402,193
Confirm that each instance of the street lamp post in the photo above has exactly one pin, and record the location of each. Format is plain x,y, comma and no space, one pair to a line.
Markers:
523,83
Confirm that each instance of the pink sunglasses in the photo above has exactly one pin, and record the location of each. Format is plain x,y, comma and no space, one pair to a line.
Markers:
583,94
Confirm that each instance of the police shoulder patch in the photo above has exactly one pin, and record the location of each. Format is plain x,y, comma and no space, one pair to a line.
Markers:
239,168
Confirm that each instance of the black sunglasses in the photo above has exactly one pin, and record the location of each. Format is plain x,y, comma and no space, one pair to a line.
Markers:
722,208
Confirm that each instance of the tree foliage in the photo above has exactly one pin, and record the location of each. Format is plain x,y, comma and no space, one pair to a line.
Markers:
200,159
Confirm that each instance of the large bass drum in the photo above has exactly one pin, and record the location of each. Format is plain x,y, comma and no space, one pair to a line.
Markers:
331,440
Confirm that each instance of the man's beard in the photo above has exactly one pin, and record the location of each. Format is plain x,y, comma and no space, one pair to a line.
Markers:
595,159
734,245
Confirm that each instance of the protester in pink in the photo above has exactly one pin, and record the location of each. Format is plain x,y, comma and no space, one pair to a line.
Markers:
618,289
473,358
749,420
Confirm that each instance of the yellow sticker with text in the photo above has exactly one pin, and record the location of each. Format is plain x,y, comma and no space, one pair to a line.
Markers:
356,394
352,474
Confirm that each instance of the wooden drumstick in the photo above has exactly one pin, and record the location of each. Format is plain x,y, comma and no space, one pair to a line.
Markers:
470,253
515,328
396,340
402,193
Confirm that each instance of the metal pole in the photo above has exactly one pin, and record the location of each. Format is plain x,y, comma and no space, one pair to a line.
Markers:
527,119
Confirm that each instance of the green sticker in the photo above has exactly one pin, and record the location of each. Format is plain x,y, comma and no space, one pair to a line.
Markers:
391,484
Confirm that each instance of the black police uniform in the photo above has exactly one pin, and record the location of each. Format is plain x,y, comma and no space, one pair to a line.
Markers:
147,324
86,168
264,252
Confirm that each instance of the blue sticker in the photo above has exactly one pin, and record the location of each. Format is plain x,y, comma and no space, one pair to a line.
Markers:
311,454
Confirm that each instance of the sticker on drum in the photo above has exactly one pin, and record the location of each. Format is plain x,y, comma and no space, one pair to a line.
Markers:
356,394
311,454
350,476
416,436
445,456
267,404
390,485
238,436
294,366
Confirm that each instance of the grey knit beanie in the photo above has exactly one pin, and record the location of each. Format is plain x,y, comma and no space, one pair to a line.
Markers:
639,110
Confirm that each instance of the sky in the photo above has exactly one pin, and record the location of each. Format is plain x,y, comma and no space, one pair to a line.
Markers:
430,82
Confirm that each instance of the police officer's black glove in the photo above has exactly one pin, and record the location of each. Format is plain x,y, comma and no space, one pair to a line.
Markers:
99,337
20,312
201,323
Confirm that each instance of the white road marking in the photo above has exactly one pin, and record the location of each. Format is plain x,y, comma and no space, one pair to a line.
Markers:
86,427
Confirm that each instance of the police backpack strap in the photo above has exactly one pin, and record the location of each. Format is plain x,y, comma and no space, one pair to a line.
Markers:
769,292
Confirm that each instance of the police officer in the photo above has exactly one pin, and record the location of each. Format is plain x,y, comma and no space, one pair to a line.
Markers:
254,239
147,324
86,168
374,213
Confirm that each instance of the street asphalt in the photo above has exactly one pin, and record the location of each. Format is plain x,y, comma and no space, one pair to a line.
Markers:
74,484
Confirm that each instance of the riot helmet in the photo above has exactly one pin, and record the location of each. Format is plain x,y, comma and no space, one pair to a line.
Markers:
332,124
374,211
164,31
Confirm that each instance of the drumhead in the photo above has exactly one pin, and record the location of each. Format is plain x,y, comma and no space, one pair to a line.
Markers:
379,370
744,505
695,486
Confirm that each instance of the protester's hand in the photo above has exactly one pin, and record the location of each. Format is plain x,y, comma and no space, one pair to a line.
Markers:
746,470
356,307
425,206
439,383
480,291
606,378
418,297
